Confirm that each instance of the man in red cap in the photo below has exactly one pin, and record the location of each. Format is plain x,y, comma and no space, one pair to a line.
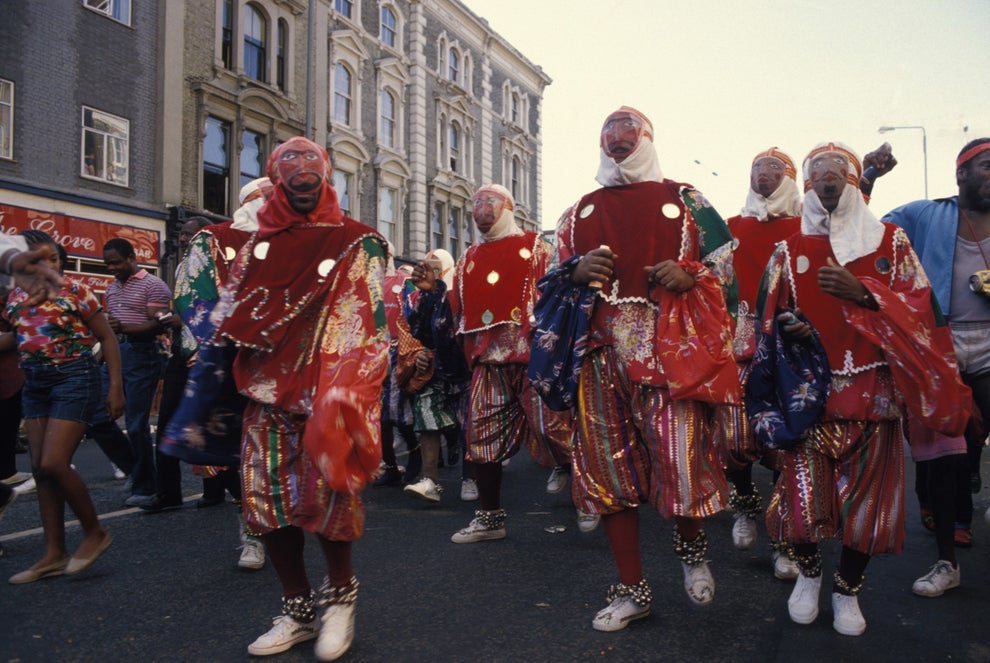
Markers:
304,305
659,353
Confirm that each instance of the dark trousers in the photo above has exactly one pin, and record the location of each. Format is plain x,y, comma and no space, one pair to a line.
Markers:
107,434
10,427
169,481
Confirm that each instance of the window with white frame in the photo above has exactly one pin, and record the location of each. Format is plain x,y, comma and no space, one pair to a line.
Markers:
387,131
342,185
515,108
389,27
345,8
252,157
6,119
105,140
514,178
388,209
454,145
515,105
118,10
255,44
343,93
216,166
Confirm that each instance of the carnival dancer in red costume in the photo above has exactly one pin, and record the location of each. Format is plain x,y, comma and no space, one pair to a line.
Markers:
659,352
861,285
304,305
772,213
490,305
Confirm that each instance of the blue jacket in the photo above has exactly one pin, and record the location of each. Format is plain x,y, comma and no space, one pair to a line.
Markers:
931,225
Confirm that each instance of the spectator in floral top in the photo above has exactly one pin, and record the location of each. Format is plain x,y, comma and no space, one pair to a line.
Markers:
55,339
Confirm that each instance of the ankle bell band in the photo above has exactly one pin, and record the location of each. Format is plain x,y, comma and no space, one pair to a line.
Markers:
844,587
300,608
691,552
491,519
810,565
640,593
751,505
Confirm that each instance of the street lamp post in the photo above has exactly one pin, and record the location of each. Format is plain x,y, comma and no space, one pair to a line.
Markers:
924,147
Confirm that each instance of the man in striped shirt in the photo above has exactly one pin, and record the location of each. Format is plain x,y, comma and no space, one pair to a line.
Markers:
135,303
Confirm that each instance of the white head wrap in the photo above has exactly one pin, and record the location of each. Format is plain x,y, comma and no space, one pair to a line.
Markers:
642,165
251,199
446,265
505,225
852,229
784,201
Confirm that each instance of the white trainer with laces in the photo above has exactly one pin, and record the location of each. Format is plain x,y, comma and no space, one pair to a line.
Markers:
784,568
743,531
469,490
486,526
803,603
252,554
425,489
941,577
588,522
284,634
846,616
699,582
558,479
337,632
618,614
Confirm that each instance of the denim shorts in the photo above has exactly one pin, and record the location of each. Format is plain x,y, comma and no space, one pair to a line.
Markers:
70,390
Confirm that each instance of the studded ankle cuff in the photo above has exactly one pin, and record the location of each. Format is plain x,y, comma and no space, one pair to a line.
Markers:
330,595
844,587
751,505
640,593
810,565
691,552
301,608
491,519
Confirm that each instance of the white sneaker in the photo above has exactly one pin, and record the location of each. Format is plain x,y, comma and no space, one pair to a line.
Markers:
469,490
558,479
284,634
16,478
478,531
803,603
618,614
426,489
941,577
699,582
337,632
588,522
26,488
784,568
743,532
117,472
846,617
252,554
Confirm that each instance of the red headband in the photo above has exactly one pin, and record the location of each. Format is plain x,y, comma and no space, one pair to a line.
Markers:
971,153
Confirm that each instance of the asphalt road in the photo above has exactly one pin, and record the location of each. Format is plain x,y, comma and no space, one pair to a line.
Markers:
169,588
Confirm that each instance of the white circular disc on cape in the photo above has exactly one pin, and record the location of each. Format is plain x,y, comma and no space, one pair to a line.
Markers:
586,211
803,264
324,267
670,210
492,277
261,250
229,253
525,253
396,289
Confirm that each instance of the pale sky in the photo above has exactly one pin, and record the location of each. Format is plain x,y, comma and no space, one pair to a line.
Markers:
722,80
